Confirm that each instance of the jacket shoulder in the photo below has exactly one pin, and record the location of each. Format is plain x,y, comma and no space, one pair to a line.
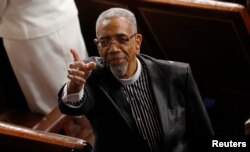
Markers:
169,65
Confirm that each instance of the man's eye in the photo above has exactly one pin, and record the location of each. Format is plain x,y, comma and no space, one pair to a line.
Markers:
122,39
104,42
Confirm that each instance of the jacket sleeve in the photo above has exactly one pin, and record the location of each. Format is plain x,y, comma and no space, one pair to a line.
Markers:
199,127
82,107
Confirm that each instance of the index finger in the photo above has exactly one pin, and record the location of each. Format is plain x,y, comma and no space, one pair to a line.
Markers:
75,55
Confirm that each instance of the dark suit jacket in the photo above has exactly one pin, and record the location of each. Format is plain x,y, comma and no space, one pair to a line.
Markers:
183,116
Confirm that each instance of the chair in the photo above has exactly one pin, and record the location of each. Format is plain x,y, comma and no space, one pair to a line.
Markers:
56,122
247,127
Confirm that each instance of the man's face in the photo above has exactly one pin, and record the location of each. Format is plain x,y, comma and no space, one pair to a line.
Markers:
118,45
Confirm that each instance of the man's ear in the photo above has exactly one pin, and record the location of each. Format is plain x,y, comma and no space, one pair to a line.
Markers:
138,41
137,46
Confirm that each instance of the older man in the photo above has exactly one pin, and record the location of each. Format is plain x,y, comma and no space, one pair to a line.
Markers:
133,101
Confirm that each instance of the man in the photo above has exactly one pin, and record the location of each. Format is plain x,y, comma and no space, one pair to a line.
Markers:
134,102
33,32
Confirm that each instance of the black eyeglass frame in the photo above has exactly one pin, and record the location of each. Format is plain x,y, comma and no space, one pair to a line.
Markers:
99,42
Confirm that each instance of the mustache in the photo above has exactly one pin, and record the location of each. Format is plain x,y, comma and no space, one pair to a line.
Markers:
111,57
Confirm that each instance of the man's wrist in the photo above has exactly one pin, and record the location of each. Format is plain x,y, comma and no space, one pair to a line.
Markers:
73,88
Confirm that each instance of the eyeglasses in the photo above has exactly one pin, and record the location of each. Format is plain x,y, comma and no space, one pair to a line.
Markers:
119,38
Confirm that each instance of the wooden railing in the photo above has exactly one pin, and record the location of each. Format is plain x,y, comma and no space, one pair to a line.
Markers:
17,138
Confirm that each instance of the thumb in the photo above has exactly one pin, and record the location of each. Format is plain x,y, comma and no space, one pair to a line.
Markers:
91,65
75,55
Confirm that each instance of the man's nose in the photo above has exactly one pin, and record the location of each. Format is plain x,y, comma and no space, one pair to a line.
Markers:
113,41
113,46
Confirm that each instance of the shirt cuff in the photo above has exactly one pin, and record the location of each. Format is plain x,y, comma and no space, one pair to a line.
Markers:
76,97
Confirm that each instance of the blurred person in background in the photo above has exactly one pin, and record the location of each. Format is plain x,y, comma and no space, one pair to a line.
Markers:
37,36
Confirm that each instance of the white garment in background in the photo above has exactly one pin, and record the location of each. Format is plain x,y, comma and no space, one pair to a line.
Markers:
37,35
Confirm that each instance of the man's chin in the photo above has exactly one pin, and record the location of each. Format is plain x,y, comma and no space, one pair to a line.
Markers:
118,69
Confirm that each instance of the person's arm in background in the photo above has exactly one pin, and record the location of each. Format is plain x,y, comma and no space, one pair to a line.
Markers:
3,5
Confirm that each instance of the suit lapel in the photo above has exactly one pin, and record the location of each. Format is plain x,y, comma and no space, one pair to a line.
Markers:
158,83
118,100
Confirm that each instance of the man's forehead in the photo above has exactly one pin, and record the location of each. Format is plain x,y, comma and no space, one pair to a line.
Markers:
115,19
114,26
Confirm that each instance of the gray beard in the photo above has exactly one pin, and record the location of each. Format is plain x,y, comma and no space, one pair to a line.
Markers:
119,70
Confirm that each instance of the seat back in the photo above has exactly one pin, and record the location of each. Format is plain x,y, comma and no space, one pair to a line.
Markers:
53,121
247,127
56,122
